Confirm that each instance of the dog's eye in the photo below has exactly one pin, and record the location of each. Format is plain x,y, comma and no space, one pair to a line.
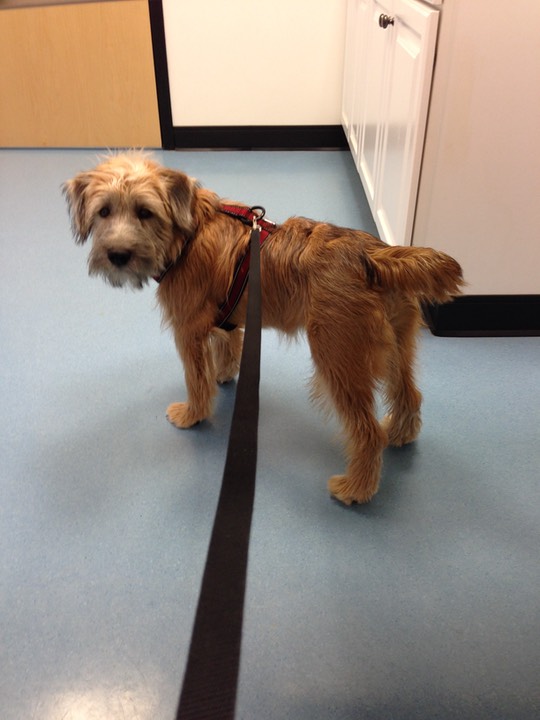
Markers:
144,213
105,211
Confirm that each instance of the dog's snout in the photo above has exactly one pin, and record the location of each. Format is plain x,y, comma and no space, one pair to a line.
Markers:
119,257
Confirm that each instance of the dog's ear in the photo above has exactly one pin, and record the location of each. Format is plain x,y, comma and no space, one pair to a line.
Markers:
180,192
75,193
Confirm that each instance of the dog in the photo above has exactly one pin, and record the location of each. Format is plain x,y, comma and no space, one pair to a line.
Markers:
357,300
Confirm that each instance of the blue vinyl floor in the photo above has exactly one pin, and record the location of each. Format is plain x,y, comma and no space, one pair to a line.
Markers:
424,604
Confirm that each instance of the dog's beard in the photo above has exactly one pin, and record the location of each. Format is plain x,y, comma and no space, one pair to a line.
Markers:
135,274
120,278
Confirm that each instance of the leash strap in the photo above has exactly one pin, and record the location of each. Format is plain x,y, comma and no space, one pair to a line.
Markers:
211,676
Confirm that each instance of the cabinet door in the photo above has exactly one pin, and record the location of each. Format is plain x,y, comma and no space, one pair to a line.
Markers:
355,75
349,67
372,96
412,41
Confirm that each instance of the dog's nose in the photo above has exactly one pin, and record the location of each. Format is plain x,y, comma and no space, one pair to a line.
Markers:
119,257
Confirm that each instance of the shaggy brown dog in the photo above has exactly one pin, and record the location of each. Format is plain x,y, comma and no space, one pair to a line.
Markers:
356,298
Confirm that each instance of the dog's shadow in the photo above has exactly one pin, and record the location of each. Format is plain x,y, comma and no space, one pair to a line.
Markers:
300,448
103,459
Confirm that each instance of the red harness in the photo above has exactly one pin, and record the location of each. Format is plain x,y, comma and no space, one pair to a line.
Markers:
247,216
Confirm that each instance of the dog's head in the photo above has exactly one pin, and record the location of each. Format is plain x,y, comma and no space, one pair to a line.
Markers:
138,213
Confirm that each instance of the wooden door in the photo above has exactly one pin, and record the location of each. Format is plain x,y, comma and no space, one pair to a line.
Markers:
78,76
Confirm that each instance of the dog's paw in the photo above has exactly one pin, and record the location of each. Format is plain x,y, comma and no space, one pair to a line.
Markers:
401,431
344,489
182,416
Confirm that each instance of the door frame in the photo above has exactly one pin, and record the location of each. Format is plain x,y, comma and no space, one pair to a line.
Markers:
159,47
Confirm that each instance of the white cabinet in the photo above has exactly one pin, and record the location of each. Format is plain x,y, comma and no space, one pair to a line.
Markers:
468,182
389,57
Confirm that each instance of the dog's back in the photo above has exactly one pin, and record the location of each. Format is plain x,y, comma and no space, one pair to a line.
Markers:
307,262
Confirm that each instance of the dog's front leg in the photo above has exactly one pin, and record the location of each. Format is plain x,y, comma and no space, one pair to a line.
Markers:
196,355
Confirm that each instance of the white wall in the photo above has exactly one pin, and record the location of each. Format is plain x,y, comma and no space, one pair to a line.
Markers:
255,62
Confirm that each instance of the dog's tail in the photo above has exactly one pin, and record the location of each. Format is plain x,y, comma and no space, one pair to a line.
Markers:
421,272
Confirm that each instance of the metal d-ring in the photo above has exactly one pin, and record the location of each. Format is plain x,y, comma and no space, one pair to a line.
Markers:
260,215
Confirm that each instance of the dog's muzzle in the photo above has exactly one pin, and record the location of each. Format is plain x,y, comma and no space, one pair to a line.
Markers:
119,258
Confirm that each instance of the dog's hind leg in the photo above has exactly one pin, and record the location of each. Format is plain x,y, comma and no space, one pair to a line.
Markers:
403,421
347,372
226,351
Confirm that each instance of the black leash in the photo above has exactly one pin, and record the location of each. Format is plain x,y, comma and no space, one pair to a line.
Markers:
211,676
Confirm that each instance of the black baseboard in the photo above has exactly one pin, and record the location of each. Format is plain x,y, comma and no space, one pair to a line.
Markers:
261,137
486,316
